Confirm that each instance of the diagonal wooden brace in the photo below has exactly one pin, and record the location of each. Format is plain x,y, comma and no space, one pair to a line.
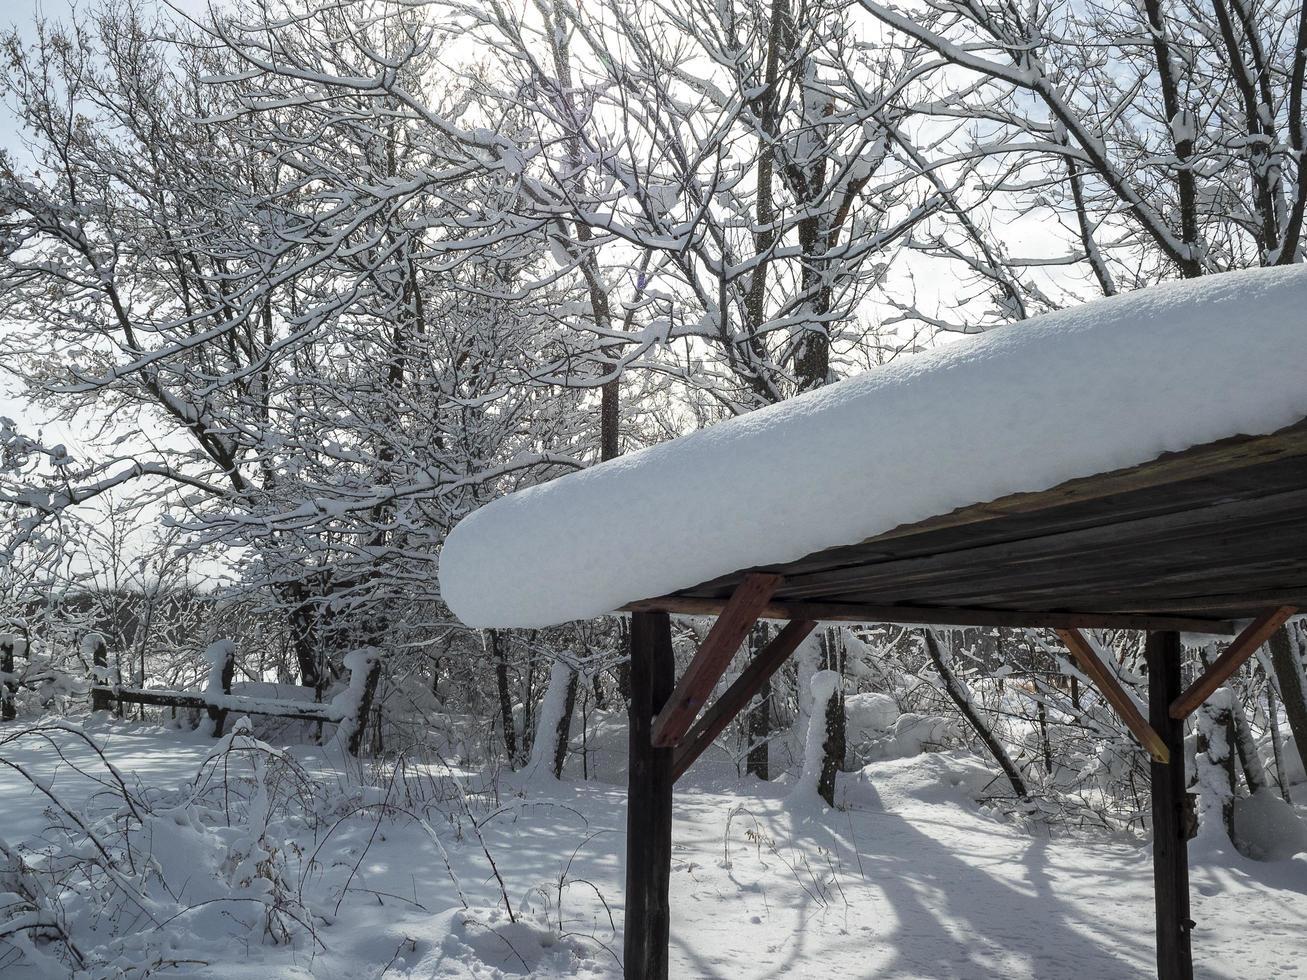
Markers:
728,632
1218,672
739,694
1088,661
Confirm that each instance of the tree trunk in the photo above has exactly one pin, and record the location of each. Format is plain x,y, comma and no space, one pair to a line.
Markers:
507,725
835,744
222,672
1286,658
8,709
832,746
1277,740
1242,735
961,698
563,732
759,720
1215,764
100,700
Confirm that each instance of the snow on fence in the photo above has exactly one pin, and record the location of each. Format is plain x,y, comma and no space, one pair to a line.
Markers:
216,700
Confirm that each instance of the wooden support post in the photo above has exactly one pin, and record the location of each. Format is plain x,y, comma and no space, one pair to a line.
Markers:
739,694
1107,684
1170,828
1243,647
728,632
647,929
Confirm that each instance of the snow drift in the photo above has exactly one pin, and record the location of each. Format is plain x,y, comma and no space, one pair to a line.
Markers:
1022,408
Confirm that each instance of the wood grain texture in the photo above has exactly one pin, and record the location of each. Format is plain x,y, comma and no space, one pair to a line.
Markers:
736,697
1210,534
734,620
647,928
835,612
1244,646
1171,818
1093,667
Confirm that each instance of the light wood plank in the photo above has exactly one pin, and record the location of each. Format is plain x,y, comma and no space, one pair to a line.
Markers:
1243,647
738,695
1094,668
735,618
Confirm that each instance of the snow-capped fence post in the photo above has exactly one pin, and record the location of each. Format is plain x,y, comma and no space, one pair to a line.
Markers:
8,709
818,775
93,646
1214,764
355,702
647,928
1171,819
554,720
222,669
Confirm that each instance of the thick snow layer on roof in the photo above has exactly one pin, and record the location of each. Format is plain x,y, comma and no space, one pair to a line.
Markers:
1022,408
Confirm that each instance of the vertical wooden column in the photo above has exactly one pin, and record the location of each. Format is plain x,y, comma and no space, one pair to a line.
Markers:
648,802
1170,830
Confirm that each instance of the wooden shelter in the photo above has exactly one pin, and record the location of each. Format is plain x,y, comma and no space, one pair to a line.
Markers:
1198,540
1137,463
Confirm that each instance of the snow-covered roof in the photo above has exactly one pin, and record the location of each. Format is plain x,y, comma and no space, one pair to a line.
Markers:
1022,408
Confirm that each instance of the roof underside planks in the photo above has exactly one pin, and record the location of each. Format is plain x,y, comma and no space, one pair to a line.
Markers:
1189,540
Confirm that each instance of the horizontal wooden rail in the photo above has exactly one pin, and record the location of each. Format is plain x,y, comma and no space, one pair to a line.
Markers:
838,612
1239,650
241,704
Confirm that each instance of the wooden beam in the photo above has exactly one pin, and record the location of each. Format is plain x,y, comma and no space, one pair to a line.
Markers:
739,694
839,612
734,620
1171,817
647,927
1243,647
1088,661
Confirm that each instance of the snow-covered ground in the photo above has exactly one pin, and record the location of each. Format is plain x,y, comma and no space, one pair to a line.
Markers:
912,879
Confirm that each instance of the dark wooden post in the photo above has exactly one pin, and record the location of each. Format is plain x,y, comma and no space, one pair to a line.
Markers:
648,802
1170,807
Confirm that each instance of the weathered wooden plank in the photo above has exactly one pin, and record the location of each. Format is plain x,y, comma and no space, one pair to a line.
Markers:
1167,593
734,620
1170,814
835,612
1140,543
1199,462
647,929
1234,469
1218,672
1094,668
739,694
1239,605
